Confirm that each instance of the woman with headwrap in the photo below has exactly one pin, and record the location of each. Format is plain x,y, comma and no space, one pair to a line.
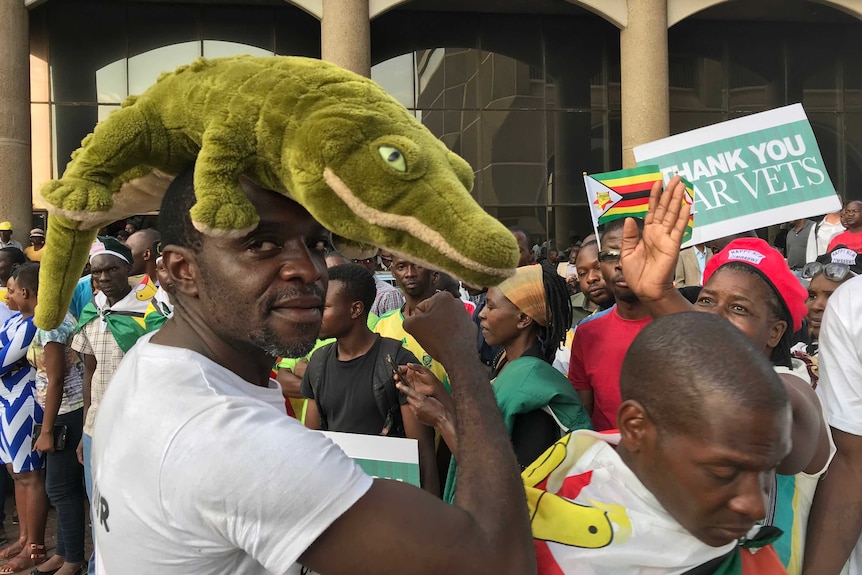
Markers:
527,315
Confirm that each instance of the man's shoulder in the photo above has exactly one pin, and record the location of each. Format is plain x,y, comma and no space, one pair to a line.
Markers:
847,293
391,318
597,320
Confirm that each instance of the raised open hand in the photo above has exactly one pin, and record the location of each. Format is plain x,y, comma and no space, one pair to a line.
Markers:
649,261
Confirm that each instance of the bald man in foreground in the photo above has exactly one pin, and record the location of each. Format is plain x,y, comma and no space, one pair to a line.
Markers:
704,421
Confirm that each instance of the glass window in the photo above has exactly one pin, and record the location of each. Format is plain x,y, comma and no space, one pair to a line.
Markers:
232,26
852,188
146,67
513,158
84,37
827,130
71,124
755,67
221,49
40,146
398,77
812,72
112,82
297,33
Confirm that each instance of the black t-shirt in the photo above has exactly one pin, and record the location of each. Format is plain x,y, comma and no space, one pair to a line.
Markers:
346,397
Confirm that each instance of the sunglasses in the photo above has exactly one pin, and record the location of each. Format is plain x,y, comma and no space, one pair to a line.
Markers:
609,256
832,271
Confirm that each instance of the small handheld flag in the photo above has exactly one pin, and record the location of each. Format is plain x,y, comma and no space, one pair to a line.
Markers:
620,194
689,199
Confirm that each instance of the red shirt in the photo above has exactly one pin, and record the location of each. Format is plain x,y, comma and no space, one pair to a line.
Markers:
598,350
852,240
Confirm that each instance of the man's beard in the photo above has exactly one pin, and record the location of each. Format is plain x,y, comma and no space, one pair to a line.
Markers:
267,340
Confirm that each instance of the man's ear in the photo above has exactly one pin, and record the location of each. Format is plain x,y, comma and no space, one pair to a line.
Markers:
636,428
356,309
181,267
776,332
147,255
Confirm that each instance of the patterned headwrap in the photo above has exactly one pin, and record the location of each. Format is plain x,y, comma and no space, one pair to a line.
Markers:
527,291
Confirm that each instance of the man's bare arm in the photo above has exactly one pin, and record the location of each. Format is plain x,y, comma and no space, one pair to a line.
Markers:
835,521
487,530
424,435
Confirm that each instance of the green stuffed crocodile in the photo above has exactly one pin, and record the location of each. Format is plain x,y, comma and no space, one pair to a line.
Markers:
333,141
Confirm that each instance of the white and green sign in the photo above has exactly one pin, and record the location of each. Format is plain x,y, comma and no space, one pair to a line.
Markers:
384,457
747,173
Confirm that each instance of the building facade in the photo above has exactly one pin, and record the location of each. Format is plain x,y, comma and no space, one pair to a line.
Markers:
532,93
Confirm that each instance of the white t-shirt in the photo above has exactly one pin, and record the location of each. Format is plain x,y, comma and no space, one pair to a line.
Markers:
840,387
818,244
198,471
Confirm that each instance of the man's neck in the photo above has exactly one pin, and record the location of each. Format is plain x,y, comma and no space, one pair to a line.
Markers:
154,276
799,225
411,302
833,217
855,229
113,301
356,343
185,331
632,310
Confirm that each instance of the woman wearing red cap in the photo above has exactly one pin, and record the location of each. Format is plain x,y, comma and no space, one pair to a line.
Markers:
750,285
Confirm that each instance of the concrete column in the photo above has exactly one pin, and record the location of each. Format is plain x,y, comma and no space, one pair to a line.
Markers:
15,188
644,76
345,35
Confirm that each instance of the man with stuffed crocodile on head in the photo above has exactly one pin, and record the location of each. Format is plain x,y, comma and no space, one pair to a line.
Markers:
225,482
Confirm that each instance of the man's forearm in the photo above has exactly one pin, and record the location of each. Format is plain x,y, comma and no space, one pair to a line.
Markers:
489,485
835,521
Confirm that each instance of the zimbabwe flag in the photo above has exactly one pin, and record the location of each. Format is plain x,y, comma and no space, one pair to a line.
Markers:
689,199
620,194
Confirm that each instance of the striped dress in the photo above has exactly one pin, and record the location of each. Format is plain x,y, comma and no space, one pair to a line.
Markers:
18,407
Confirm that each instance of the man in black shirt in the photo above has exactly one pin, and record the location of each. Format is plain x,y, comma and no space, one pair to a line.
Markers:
350,384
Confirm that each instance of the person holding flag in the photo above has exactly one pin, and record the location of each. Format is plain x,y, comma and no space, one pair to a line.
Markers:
109,326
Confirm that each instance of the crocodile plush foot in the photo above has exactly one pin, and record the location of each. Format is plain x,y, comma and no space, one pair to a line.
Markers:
75,195
213,218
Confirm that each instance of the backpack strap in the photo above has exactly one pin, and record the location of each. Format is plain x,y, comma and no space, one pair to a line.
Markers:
315,372
384,390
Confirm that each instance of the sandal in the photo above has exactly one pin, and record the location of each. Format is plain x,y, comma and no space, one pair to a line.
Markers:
18,563
81,569
11,551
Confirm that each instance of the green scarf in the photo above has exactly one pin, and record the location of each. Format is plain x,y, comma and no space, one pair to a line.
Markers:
128,319
525,385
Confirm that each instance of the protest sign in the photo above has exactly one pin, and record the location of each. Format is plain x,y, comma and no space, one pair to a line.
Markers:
747,173
378,456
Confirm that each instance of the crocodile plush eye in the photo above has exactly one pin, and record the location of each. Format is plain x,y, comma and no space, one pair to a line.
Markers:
393,157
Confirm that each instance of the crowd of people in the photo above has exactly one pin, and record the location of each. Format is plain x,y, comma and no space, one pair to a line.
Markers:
53,382
649,437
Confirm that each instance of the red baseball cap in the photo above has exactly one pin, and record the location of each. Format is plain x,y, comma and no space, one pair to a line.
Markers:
771,266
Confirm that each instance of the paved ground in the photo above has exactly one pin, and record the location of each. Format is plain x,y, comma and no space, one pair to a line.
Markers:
50,532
